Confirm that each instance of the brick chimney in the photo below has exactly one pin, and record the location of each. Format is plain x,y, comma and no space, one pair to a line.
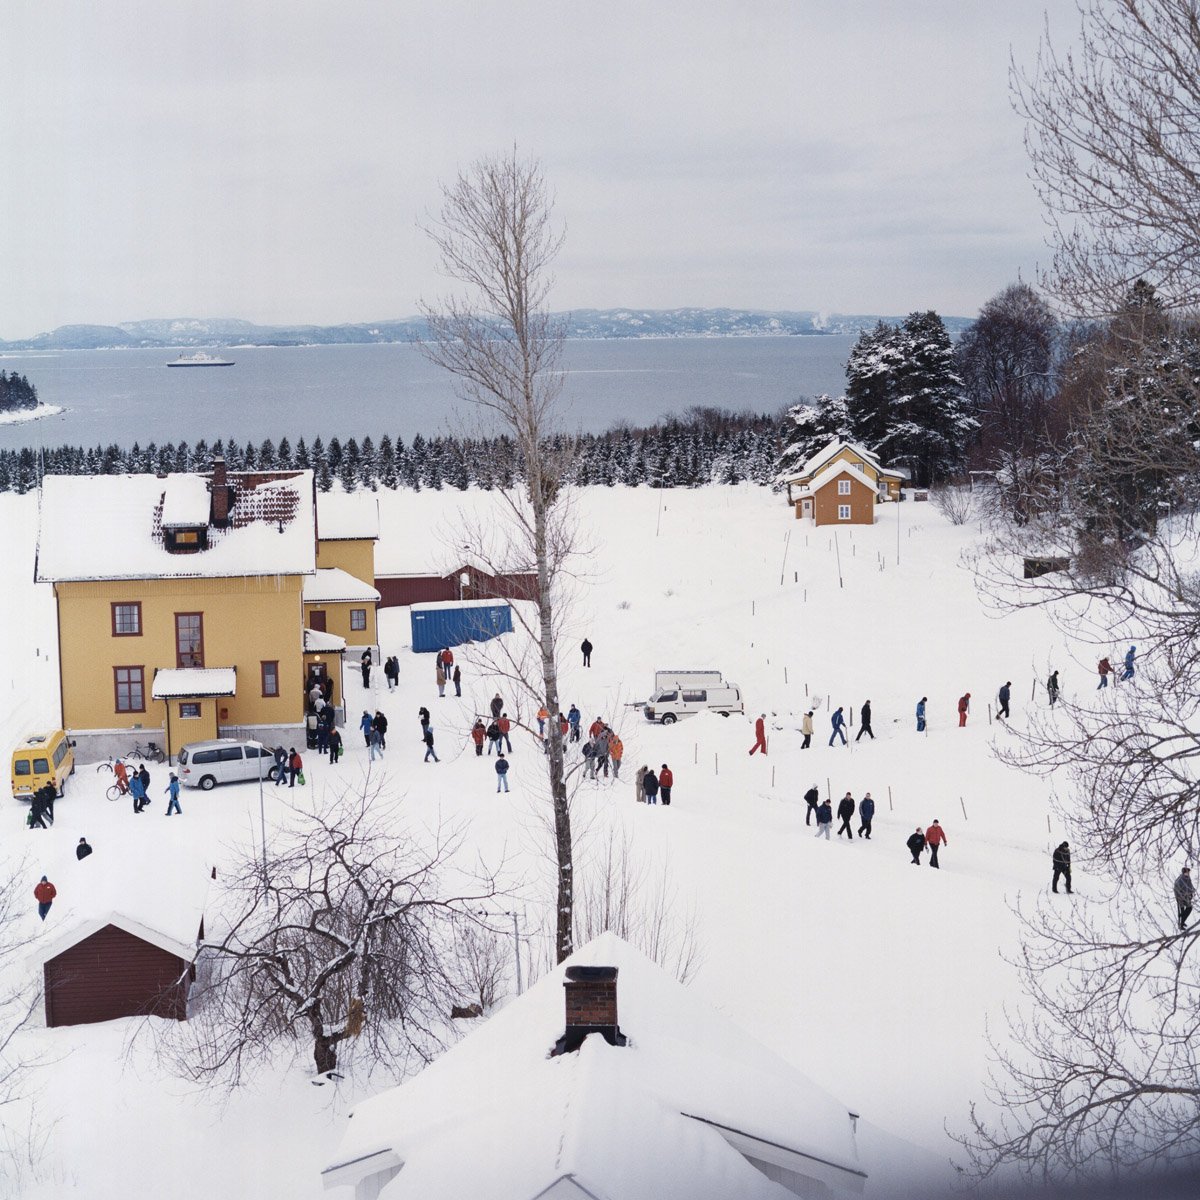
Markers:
591,1002
221,493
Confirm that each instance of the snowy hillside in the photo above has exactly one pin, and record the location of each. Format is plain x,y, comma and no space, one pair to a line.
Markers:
875,978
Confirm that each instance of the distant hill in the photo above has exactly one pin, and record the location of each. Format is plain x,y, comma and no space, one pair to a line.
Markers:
582,323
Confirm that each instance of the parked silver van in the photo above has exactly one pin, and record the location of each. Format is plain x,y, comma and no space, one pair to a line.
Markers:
679,694
225,760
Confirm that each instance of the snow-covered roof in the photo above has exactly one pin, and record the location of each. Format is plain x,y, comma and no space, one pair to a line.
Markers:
317,641
161,901
110,527
822,456
186,502
347,516
434,605
170,682
832,471
332,584
673,1114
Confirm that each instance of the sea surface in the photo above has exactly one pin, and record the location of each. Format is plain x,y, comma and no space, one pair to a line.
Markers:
125,396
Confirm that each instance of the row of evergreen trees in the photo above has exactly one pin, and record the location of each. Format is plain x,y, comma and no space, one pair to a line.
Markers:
708,446
16,392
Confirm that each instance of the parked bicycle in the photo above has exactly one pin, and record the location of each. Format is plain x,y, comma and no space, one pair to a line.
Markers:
150,752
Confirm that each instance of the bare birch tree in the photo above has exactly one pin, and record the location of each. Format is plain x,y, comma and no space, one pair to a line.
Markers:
496,236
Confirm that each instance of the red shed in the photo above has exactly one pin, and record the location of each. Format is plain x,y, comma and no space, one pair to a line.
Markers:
467,582
130,961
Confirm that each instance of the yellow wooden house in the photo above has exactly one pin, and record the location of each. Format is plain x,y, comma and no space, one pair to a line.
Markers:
841,461
341,598
180,604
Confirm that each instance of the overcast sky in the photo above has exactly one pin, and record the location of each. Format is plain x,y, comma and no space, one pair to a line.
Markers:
271,159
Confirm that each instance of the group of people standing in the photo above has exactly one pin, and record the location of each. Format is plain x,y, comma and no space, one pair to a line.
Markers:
652,787
822,812
447,672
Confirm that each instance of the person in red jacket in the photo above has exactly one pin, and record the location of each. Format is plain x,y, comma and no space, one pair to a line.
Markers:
44,894
504,725
595,727
760,734
935,836
666,781
964,707
478,733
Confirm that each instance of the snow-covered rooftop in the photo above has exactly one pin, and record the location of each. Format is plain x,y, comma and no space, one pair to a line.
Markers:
822,456
110,527
496,1118
170,682
332,584
346,516
186,502
832,471
434,605
317,641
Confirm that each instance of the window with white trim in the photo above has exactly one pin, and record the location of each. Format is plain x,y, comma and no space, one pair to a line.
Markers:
843,487
843,512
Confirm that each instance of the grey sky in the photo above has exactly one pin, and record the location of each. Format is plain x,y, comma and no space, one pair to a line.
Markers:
270,159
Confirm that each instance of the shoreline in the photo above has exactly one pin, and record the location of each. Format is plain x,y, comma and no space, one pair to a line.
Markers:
21,416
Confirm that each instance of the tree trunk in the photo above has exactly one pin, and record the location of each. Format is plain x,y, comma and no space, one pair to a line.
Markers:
324,1046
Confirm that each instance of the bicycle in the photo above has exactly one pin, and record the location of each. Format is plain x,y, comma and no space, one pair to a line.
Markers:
116,791
150,752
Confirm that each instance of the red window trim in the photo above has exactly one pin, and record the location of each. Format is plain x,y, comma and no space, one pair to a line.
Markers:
125,604
262,669
358,628
141,670
200,653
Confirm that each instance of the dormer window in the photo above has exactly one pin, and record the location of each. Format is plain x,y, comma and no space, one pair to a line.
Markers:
185,541
185,513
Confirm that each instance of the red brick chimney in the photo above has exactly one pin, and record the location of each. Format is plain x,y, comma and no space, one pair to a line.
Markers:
591,1001
220,493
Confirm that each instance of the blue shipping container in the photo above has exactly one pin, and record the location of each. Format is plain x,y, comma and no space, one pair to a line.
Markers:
437,625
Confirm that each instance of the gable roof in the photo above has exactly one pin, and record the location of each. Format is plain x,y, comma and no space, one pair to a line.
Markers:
835,469
111,527
331,585
497,1119
317,641
827,452
347,516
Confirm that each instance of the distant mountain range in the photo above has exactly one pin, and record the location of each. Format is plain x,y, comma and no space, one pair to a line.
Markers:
582,323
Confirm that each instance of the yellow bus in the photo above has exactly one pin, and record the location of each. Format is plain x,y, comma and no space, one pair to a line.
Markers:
41,759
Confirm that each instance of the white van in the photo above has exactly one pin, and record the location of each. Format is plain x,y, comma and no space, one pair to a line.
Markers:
225,760
685,693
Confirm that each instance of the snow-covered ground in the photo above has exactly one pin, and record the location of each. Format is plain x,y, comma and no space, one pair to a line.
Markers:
19,416
875,978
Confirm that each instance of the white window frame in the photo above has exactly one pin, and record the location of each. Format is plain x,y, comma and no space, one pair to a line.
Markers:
843,512
843,487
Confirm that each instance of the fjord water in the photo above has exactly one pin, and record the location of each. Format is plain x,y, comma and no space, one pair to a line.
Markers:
124,396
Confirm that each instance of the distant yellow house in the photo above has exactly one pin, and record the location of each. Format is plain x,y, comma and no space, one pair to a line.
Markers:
181,604
853,469
341,599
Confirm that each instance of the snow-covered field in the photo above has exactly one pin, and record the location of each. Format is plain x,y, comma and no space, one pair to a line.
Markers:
876,978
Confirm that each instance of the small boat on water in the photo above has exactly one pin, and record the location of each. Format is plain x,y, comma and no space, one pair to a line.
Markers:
200,359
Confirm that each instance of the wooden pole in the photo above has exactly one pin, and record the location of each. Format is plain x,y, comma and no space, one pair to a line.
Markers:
785,674
1047,822
1033,691
716,764
828,789
696,755
889,798
772,774
989,712
963,807
838,550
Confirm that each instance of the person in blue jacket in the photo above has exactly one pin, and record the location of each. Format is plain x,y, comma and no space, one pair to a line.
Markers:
574,716
365,725
172,790
921,714
824,819
839,727
501,773
866,812
1129,657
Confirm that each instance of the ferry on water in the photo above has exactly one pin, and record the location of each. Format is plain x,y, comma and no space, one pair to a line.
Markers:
200,359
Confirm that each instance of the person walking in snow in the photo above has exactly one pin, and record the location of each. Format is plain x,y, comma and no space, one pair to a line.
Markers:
1052,688
365,725
589,758
601,743
497,706
423,717
845,812
543,715
172,790
586,647
650,787
478,734
1061,861
666,781
921,714
44,894
1103,667
574,718
838,721
916,844
616,751
639,784
457,677
964,707
1003,695
824,820
381,723
806,728
37,809
865,722
391,672
1185,895
144,776
501,773
503,724
935,836
137,791
1130,654
280,765
812,798
335,746
493,734
365,663
295,767
866,814
760,734
83,849
375,743
429,750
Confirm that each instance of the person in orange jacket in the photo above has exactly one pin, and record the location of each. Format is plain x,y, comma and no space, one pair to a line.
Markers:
44,894
616,751
478,733
760,734
964,707
542,717
666,781
595,727
935,836
504,725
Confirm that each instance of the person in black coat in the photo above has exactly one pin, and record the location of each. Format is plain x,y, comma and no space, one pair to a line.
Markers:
916,845
381,723
866,813
812,798
845,812
1004,695
586,647
83,849
1061,860
864,726
144,776
650,787
423,717
824,819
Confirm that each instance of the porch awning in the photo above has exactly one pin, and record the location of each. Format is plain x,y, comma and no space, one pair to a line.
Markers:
171,683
